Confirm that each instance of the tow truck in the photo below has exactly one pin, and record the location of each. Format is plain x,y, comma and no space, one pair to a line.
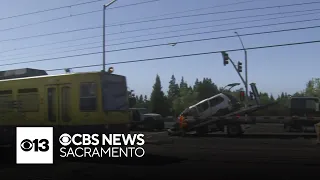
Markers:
223,113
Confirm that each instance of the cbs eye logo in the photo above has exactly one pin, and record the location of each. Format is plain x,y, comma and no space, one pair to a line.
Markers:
37,145
65,139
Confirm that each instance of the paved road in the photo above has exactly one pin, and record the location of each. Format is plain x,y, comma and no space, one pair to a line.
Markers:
191,157
255,128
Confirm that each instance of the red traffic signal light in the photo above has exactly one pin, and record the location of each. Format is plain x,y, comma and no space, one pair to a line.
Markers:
225,57
242,95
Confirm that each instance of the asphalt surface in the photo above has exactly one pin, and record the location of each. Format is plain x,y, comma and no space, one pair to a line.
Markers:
215,156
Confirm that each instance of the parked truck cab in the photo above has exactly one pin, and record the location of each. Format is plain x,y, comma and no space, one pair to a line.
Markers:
304,106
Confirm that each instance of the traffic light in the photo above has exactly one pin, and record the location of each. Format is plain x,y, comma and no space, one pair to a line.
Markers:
225,57
239,66
242,95
251,95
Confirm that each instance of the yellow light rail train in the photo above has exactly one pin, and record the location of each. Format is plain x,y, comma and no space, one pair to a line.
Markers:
95,102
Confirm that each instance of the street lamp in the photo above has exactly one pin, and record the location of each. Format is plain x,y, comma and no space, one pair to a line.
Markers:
104,34
246,68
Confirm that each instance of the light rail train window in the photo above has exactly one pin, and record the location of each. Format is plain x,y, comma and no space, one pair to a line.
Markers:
6,101
88,96
29,90
115,97
28,100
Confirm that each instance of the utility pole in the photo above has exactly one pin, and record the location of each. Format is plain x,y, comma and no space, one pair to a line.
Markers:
104,35
246,69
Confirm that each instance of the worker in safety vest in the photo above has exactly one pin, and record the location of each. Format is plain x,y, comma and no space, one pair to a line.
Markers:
182,122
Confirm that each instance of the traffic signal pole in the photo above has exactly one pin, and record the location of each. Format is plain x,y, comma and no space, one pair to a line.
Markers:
246,69
235,68
238,69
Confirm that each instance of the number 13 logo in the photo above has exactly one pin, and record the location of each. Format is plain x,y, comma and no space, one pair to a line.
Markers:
41,145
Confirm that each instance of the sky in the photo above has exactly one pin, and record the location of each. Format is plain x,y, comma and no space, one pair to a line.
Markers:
274,70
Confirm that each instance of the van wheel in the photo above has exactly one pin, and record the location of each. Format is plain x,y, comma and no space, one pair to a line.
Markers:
234,130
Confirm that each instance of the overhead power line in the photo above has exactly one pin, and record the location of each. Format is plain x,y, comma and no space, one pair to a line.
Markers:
164,44
133,4
152,39
87,48
188,55
225,19
51,9
110,8
70,16
199,9
46,44
49,34
212,13
97,27
214,31
203,27
215,20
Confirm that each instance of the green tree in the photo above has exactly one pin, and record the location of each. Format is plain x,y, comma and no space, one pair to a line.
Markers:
173,91
183,84
272,98
186,99
206,89
131,97
146,102
158,101
196,84
299,94
130,93
141,99
264,98
313,87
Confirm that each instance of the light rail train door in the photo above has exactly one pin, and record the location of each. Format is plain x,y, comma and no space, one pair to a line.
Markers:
52,102
59,107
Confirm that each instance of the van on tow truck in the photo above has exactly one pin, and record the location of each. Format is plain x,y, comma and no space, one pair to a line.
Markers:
209,114
223,112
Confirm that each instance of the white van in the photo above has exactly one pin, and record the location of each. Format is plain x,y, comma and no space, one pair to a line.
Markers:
217,105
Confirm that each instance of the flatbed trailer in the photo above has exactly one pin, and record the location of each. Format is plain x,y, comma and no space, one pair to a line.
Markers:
236,125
